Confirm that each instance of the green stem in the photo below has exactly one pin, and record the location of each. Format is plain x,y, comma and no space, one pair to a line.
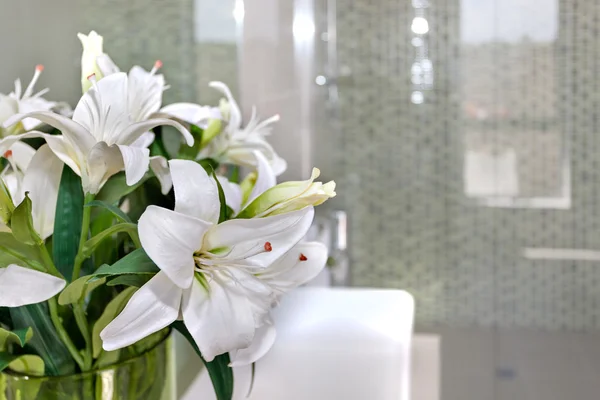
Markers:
48,261
63,333
85,228
81,320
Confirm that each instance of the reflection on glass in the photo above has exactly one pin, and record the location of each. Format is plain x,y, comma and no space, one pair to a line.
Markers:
515,150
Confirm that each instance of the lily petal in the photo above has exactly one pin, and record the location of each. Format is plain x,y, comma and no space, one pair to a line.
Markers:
170,239
263,341
300,265
220,320
102,110
145,92
103,162
61,148
160,168
235,115
22,153
9,106
192,113
134,131
42,181
266,178
145,140
81,140
22,286
196,193
106,65
150,309
232,192
245,236
136,161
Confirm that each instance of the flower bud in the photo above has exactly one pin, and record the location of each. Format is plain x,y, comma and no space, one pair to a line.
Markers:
290,196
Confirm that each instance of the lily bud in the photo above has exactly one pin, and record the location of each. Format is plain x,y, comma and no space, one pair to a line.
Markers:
290,196
92,49
6,204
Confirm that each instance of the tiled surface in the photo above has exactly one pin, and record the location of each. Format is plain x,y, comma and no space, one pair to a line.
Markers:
400,165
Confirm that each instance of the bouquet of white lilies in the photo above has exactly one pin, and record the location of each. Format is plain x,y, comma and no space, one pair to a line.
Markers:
98,259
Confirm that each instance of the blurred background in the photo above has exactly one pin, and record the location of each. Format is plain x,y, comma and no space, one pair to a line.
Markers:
463,135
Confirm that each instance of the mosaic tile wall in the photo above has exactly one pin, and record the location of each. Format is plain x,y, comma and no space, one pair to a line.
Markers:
144,31
165,29
400,159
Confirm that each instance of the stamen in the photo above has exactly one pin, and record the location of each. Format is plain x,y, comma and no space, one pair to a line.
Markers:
157,65
268,246
29,91
92,78
7,154
302,257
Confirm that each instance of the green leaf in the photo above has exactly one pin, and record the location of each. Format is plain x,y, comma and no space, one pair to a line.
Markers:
209,164
19,337
218,369
21,224
92,244
157,148
5,319
116,188
224,213
27,364
106,252
14,252
67,223
133,263
234,176
191,152
116,211
45,341
136,280
78,289
110,312
6,204
213,129
6,359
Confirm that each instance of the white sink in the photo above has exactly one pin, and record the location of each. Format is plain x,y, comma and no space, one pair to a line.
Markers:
351,344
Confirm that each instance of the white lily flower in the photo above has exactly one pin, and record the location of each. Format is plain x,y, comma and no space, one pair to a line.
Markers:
93,59
101,138
37,173
297,267
211,274
145,89
237,144
11,178
20,101
21,286
192,113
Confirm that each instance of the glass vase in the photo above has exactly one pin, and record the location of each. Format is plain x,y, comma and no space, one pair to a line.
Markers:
149,376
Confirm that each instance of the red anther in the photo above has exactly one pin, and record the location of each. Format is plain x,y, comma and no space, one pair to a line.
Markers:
39,67
302,257
268,246
7,154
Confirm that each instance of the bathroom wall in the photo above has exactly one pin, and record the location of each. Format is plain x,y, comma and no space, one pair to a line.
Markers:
512,81
448,189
